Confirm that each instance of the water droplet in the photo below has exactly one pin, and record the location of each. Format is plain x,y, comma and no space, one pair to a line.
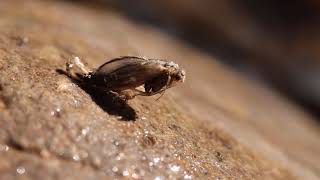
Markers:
56,112
146,131
76,103
150,164
174,168
217,164
21,170
156,160
116,143
76,157
4,148
119,156
187,176
115,169
85,131
135,176
125,173
158,178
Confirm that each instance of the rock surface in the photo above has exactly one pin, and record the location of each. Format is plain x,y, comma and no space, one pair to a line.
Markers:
217,125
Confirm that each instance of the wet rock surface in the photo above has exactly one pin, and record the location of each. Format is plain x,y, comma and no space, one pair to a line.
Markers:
213,127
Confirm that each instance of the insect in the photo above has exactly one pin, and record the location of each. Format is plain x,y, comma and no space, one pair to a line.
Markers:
125,74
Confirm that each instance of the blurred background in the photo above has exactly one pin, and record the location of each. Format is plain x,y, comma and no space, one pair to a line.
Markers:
274,42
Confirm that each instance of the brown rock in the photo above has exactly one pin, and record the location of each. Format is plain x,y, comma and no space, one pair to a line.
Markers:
217,125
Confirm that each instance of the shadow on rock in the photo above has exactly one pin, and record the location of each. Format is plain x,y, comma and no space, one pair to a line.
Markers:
107,101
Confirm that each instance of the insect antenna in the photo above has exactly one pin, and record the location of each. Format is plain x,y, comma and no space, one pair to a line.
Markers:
162,93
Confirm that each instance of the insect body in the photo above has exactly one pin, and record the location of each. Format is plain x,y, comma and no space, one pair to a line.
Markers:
125,74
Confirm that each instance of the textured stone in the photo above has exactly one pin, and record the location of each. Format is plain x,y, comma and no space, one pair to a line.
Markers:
217,125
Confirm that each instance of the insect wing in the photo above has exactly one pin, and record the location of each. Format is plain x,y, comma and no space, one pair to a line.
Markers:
117,63
128,72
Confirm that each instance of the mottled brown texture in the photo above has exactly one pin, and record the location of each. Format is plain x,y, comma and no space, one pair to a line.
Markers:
217,125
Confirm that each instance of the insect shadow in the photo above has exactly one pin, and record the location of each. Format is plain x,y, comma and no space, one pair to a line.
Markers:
107,101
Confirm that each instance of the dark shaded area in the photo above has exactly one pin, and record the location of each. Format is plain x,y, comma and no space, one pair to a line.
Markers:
282,15
108,101
266,40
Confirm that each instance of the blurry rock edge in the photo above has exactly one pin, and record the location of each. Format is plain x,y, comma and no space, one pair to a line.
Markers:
217,125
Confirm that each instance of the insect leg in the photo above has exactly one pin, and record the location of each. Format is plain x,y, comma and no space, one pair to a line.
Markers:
164,89
142,93
131,93
126,94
